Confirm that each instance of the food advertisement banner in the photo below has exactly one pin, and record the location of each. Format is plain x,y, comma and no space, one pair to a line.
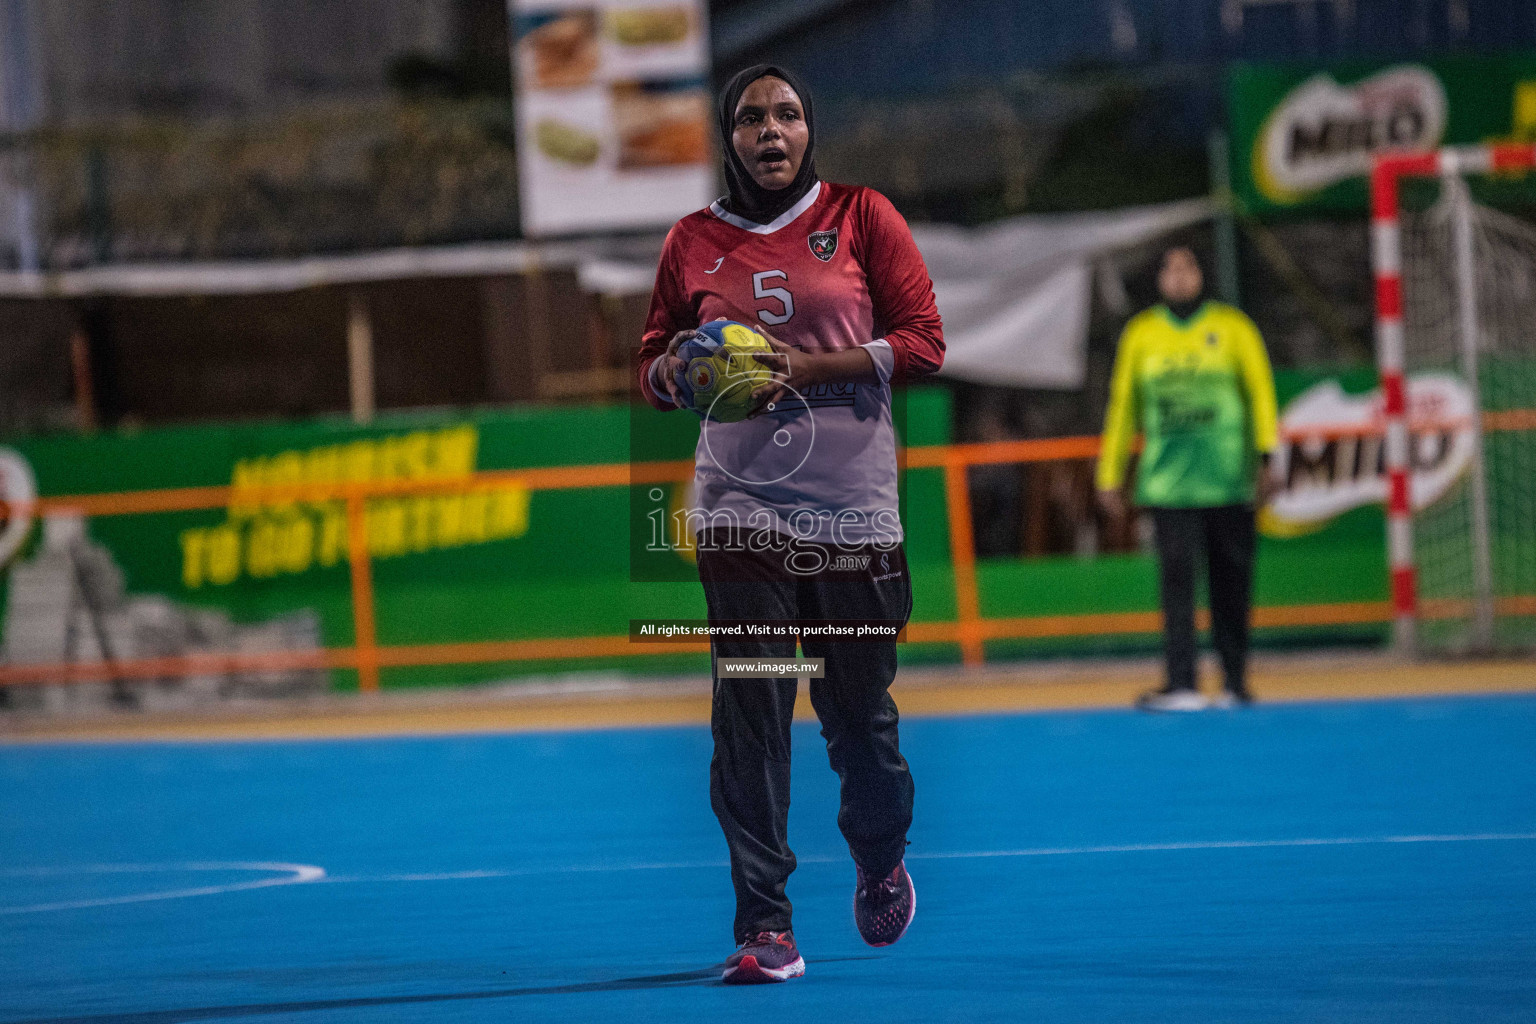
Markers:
1303,136
613,113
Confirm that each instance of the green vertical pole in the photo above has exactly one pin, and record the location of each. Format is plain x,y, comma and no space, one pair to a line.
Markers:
98,204
1218,150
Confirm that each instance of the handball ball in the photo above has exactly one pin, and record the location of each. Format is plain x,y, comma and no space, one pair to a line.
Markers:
721,371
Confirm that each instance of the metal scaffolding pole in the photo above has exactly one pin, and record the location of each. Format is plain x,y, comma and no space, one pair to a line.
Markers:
19,113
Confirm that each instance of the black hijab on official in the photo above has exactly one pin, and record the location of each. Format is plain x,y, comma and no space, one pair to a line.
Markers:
745,197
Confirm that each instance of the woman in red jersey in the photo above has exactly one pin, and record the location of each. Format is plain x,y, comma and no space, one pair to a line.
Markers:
797,506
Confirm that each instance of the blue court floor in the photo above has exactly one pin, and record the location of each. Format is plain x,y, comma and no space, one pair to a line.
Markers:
1370,861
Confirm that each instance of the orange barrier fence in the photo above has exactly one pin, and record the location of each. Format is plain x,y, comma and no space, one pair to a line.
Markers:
367,657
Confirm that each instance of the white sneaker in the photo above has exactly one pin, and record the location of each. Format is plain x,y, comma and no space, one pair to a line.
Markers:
1227,700
1172,700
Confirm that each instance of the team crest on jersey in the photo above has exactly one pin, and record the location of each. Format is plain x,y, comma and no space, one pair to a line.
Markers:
823,244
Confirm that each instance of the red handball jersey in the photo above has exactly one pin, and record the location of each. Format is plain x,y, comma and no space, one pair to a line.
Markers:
837,269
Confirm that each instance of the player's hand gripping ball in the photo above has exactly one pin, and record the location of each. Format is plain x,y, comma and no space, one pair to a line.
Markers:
720,370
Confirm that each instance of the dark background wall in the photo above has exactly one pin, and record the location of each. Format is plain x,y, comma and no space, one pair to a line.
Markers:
917,47
258,128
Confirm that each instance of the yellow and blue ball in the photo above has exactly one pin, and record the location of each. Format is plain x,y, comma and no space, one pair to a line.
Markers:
720,370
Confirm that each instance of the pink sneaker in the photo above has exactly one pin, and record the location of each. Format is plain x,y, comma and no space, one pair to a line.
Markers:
766,956
883,909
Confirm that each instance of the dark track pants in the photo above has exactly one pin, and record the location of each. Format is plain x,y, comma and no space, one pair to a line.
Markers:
749,774
1226,537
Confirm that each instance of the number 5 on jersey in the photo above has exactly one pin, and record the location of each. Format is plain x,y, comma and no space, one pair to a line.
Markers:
768,316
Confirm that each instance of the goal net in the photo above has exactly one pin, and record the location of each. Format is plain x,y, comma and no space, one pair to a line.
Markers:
1468,289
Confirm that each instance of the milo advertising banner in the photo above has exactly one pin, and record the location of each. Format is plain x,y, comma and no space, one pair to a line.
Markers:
1332,458
1303,136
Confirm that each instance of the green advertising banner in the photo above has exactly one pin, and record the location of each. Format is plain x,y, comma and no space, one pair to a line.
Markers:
483,562
495,561
1303,136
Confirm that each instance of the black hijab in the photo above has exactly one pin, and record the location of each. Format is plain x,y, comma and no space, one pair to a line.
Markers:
745,197
1189,307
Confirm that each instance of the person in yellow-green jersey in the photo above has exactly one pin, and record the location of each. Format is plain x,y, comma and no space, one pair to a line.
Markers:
1192,377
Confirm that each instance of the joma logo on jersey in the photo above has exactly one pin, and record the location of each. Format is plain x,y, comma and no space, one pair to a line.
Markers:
823,244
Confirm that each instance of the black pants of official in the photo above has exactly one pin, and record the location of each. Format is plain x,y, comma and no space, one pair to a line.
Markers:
1226,537
749,773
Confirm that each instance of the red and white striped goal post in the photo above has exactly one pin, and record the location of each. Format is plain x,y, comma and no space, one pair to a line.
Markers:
1387,265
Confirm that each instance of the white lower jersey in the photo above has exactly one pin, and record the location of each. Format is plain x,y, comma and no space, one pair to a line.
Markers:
821,467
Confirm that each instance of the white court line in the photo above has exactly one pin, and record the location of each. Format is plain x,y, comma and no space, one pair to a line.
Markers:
1038,851
308,873
292,874
1230,844
563,869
